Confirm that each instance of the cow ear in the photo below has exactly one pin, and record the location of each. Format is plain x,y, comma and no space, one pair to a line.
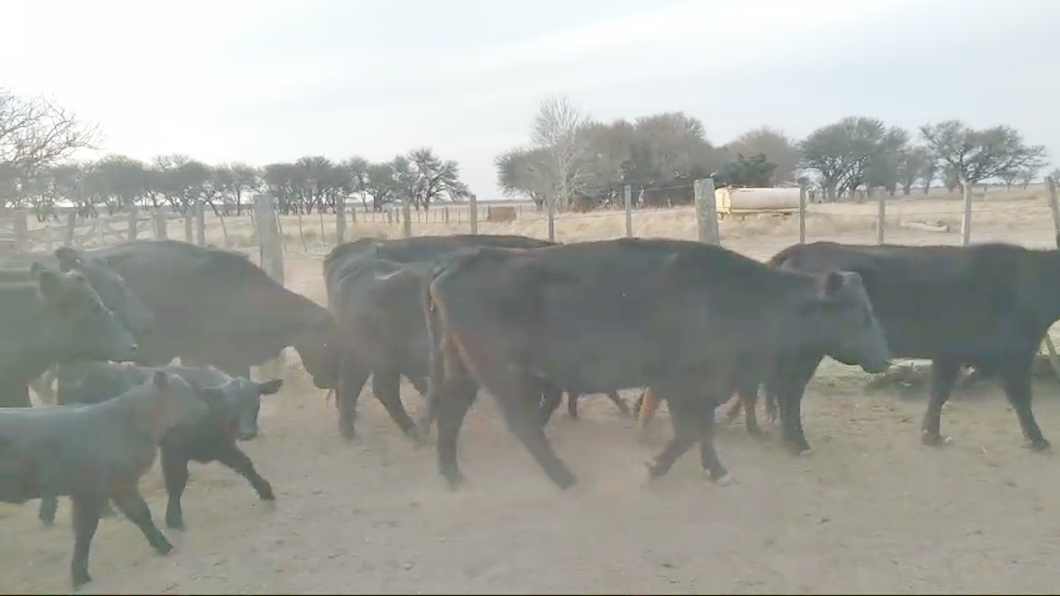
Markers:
50,283
68,258
270,387
831,283
160,380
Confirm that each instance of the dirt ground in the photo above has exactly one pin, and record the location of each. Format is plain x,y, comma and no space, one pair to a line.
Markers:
871,510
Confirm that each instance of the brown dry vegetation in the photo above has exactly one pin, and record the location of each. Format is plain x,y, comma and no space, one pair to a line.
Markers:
870,511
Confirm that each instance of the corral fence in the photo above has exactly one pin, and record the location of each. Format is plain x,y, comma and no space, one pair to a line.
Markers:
757,222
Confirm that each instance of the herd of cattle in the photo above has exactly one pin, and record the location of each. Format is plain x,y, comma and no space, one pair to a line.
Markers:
524,319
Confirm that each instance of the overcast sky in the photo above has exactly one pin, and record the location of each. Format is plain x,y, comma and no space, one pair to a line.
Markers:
262,81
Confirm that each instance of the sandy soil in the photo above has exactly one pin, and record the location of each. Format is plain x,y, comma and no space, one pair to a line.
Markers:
871,510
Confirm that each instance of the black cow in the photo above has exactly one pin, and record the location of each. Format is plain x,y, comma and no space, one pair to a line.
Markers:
378,308
687,319
92,454
213,306
985,305
58,317
233,414
110,287
375,290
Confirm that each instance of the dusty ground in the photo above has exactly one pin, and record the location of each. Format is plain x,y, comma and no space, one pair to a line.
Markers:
870,511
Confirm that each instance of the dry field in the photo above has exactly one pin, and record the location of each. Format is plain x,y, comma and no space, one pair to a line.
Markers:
871,510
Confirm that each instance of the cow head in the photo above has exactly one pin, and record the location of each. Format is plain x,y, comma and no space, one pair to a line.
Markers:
317,348
170,401
241,399
110,286
853,335
75,318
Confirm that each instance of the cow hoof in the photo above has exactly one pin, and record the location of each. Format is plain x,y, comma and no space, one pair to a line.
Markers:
1044,447
934,439
454,480
653,469
723,480
80,580
565,480
806,452
175,523
163,547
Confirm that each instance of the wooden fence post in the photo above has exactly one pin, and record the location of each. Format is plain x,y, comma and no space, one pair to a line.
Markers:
71,226
161,231
1050,186
101,231
706,211
270,247
627,197
21,230
881,217
406,218
189,213
200,223
340,221
270,242
133,223
551,217
473,212
802,214
966,221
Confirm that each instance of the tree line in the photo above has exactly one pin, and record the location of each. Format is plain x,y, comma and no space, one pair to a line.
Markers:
37,138
582,163
571,160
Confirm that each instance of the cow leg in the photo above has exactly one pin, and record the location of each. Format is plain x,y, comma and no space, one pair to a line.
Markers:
550,398
49,505
85,521
772,410
788,383
1016,379
649,404
132,504
46,512
351,379
572,404
708,457
943,378
386,384
515,399
175,473
747,396
734,411
450,404
687,413
233,457
619,403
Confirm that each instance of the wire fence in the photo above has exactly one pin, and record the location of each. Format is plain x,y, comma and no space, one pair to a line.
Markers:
1022,216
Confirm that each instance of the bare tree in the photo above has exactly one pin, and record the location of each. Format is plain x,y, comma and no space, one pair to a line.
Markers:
556,128
36,133
977,155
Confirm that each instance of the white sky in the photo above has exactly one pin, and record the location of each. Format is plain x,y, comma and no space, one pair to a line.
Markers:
262,81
